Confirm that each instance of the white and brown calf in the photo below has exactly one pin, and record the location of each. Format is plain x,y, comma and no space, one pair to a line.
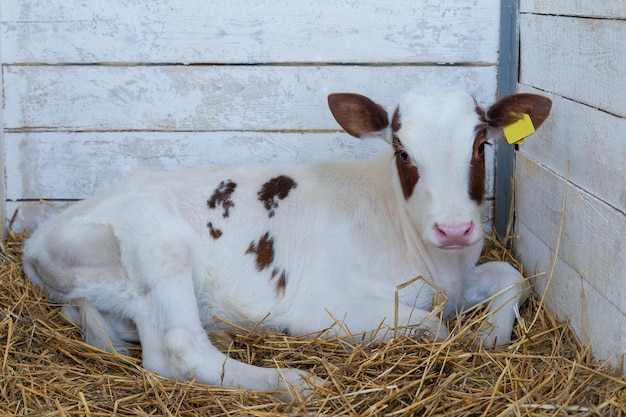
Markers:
156,258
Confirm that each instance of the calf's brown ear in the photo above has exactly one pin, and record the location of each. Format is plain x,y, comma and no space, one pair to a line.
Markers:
357,114
509,109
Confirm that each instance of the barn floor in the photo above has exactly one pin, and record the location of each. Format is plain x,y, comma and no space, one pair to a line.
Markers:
48,371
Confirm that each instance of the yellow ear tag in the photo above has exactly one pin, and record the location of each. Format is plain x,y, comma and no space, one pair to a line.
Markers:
517,131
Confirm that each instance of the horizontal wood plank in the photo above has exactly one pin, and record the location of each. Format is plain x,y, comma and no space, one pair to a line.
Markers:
76,165
592,242
573,298
249,31
604,9
209,98
588,142
581,59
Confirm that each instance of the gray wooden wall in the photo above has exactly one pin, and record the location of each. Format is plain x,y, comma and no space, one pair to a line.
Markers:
94,89
575,52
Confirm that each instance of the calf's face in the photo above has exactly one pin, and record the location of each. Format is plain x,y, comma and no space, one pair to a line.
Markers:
439,141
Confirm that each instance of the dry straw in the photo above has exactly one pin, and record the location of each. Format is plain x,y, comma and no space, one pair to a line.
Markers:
48,371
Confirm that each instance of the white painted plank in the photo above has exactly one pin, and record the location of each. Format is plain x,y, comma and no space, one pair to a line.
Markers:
591,141
249,31
596,320
581,59
592,242
75,165
604,8
210,98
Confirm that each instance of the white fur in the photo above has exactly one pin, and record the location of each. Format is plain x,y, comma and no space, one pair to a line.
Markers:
140,255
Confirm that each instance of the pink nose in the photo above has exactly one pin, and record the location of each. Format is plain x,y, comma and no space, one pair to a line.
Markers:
454,235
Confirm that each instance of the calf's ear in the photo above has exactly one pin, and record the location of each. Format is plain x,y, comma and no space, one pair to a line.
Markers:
358,115
510,109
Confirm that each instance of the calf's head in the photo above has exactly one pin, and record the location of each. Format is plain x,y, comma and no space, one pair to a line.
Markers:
438,140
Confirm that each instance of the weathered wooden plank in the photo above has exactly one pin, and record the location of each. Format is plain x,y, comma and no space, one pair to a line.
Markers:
587,141
75,165
249,31
596,320
590,57
592,242
604,8
210,98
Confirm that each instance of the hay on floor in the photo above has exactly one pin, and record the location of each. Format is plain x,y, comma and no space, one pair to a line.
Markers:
48,371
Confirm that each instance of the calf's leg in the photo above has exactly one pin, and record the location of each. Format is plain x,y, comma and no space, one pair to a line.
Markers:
509,290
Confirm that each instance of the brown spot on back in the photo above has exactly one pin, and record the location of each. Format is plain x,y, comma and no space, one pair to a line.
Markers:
277,188
407,172
264,251
281,283
215,233
223,196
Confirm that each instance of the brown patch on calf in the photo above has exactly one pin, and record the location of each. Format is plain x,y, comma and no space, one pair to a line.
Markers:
407,171
281,283
264,257
477,164
277,188
357,114
223,196
264,251
215,233
509,109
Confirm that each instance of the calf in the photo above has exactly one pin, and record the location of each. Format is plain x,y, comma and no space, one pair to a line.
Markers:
158,257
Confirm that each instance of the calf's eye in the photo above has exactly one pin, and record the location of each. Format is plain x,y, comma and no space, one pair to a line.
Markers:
404,156
481,148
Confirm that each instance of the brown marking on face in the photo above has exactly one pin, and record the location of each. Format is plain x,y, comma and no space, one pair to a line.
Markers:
223,196
407,171
477,164
215,233
264,251
277,188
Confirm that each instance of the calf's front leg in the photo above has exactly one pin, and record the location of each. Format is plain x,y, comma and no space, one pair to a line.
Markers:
509,290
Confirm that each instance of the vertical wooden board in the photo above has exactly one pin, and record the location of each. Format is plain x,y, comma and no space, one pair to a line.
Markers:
250,31
573,298
587,142
604,8
209,98
581,59
592,240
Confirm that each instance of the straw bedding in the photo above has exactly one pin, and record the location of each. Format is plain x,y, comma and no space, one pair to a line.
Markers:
48,371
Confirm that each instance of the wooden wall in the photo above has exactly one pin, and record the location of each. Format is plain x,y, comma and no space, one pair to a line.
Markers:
575,52
94,89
